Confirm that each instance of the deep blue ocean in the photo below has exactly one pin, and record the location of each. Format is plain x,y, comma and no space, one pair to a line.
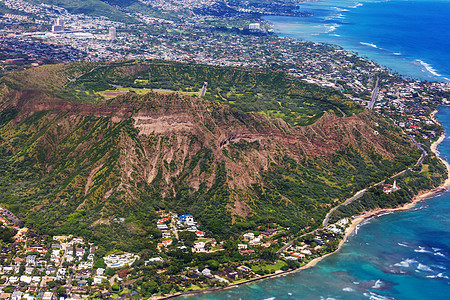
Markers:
411,37
402,255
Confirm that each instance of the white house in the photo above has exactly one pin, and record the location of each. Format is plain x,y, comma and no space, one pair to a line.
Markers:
242,246
100,271
26,279
249,236
98,279
49,296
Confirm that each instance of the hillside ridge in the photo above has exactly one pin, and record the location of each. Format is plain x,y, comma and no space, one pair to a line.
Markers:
137,154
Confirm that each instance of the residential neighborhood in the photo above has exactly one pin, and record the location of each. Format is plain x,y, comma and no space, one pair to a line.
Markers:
69,267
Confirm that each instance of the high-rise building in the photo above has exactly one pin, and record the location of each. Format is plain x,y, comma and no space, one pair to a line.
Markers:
112,33
58,26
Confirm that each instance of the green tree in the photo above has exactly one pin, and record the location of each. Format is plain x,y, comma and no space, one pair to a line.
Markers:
61,291
213,264
115,287
99,263
149,287
51,284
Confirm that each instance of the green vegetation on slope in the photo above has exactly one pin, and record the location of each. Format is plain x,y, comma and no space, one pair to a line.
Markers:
275,94
80,167
95,8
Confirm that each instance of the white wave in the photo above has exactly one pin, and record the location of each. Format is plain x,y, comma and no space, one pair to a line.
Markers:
422,250
440,254
439,267
290,294
356,5
378,284
355,232
406,263
369,44
271,298
436,249
348,289
440,276
429,68
403,245
355,282
423,267
340,9
374,296
331,28
384,214
334,34
397,53
421,207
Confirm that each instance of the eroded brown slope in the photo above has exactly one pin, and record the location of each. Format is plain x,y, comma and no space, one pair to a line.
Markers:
155,151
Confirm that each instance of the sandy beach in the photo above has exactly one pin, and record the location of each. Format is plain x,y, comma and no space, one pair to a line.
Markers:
421,196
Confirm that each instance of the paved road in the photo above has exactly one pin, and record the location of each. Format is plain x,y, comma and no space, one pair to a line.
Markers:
362,192
348,201
358,195
174,228
374,95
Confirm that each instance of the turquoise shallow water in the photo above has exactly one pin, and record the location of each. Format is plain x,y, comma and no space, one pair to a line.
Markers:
411,37
403,255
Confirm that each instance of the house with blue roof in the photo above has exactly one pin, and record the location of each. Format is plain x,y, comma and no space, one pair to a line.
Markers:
186,218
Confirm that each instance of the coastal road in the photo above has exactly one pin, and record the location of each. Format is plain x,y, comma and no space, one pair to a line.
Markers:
291,242
362,192
358,195
348,201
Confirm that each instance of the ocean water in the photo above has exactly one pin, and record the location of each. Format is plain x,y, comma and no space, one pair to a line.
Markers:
411,37
402,255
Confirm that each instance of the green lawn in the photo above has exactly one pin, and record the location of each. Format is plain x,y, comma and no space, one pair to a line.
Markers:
267,267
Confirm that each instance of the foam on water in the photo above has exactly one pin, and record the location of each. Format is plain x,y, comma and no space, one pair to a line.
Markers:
408,28
422,250
429,68
406,263
438,276
374,296
357,5
423,267
440,254
378,284
369,44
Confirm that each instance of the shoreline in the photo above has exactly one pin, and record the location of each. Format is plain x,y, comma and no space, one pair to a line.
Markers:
355,222
407,206
358,219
